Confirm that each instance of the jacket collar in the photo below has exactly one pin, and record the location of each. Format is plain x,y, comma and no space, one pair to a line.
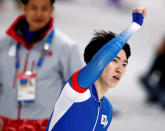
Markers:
16,31
94,92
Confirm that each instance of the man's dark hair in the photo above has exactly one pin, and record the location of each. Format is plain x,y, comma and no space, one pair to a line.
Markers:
26,1
100,39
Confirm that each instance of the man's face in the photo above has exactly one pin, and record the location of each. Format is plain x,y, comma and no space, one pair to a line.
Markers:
115,70
37,13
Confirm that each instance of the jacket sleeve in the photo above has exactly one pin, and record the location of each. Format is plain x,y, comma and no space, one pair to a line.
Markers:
0,90
70,62
1,44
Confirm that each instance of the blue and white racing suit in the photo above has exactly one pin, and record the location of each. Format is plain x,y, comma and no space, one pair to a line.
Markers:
78,107
85,114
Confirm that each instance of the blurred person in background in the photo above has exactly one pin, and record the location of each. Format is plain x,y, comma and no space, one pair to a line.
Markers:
116,3
154,80
82,105
36,60
123,5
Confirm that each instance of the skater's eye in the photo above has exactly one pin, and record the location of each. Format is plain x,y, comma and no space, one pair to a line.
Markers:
115,60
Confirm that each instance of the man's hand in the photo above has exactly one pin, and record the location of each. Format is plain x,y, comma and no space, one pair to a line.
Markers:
141,10
138,15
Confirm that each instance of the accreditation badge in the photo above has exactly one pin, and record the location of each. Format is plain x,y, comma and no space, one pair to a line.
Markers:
26,87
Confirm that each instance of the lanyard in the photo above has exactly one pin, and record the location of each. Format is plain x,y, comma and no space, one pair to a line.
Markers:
44,52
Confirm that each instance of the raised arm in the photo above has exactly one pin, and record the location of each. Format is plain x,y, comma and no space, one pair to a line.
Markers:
84,78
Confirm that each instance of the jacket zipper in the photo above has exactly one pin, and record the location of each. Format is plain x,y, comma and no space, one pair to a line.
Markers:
97,115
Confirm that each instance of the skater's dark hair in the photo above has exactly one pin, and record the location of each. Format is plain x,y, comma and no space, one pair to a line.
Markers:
100,39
